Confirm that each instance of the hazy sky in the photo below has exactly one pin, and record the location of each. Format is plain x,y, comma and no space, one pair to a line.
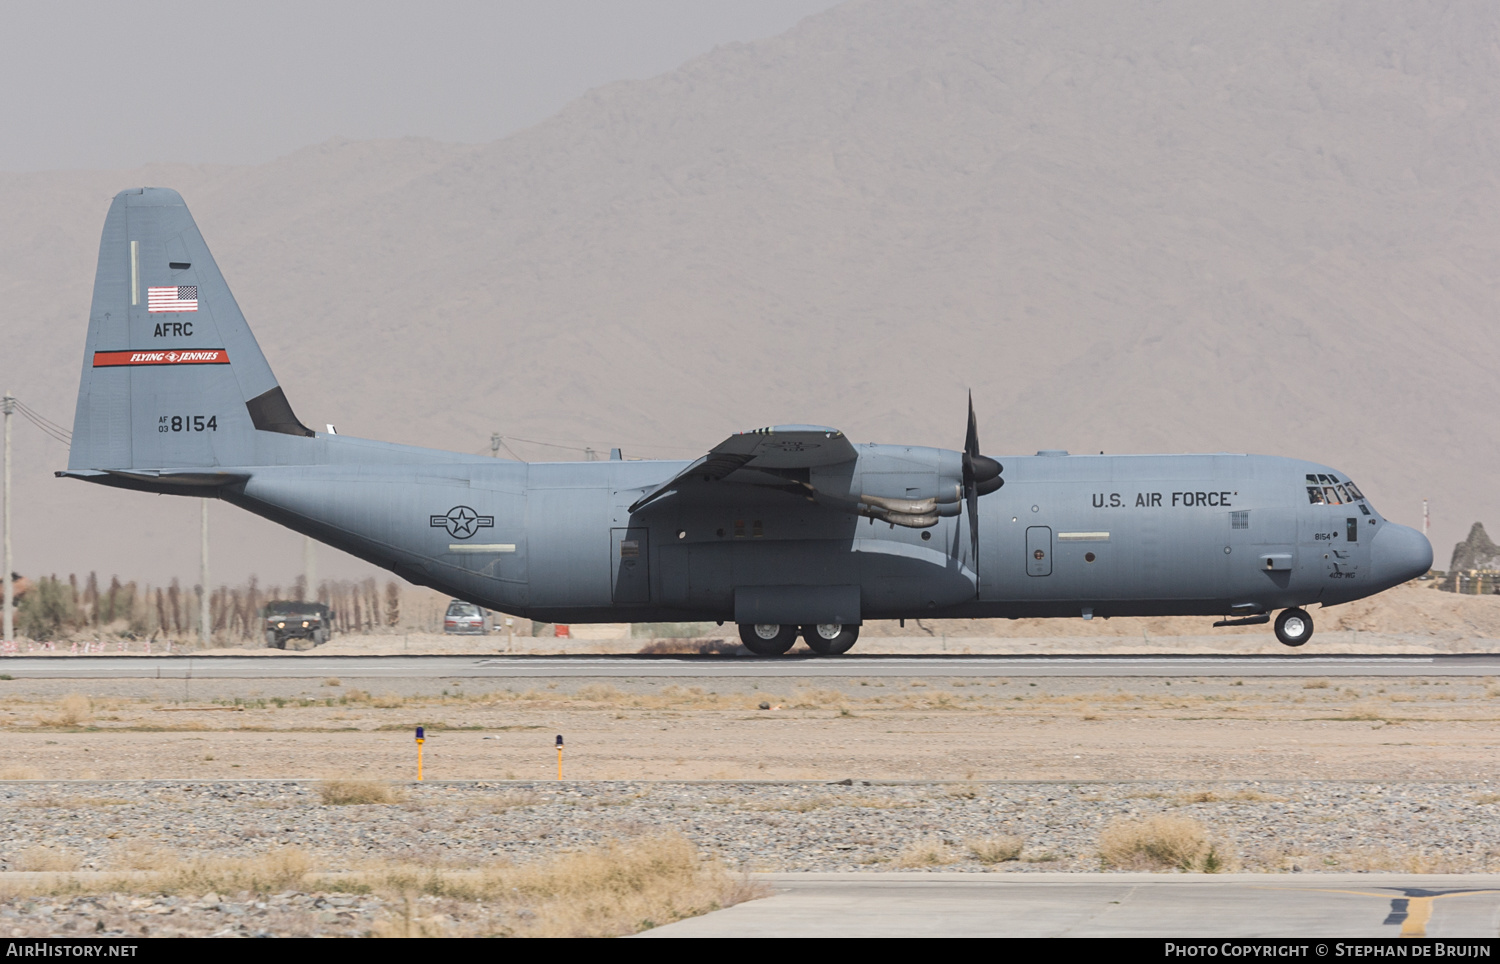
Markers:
108,84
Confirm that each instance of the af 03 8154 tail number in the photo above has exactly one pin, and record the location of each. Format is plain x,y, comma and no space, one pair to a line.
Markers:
187,423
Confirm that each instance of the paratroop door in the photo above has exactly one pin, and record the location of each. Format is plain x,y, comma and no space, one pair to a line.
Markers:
630,565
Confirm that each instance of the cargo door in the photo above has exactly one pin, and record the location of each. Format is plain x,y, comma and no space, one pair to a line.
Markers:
630,565
1039,551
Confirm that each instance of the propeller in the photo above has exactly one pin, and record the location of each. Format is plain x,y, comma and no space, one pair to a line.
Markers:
981,477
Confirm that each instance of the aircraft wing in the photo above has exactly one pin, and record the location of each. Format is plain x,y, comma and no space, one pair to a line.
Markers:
763,456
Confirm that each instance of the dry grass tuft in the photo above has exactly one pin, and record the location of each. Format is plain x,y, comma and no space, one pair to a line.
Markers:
809,698
1366,710
604,891
21,773
601,693
619,888
280,870
74,803
1239,796
1487,798
995,850
514,800
143,855
1159,843
1400,860
47,859
345,792
926,853
1315,684
72,710
389,700
333,681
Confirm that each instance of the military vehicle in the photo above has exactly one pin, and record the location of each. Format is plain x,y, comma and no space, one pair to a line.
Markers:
293,619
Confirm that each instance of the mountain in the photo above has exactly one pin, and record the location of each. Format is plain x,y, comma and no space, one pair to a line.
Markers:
1475,552
1126,225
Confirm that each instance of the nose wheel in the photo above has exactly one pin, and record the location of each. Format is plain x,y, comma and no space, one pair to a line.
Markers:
1294,627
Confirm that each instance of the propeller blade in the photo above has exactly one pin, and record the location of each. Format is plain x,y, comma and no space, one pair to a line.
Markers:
972,496
971,486
981,477
971,440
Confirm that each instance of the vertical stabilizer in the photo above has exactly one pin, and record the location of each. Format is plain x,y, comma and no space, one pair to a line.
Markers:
172,376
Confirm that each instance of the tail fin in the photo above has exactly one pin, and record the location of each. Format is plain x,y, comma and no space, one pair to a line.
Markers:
172,376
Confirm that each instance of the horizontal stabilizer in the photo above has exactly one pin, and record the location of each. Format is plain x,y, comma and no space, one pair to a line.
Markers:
186,482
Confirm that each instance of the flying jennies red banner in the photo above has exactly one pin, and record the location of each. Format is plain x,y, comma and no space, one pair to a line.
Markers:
206,356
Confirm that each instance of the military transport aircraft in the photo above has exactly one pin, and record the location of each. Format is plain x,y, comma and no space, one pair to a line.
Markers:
787,530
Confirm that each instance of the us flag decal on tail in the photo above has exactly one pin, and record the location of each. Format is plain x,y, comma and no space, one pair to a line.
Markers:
178,298
202,356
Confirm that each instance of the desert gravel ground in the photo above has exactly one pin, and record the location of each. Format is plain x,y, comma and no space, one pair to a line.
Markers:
868,729
1262,826
51,828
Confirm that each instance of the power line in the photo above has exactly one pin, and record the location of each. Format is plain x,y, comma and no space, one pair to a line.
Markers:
35,414
48,427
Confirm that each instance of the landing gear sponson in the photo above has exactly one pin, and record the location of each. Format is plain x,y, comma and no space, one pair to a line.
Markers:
773,639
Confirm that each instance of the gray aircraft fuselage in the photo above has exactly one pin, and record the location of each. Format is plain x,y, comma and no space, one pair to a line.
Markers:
790,525
1119,535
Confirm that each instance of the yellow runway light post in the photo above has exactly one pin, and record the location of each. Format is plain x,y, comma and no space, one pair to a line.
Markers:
559,756
421,738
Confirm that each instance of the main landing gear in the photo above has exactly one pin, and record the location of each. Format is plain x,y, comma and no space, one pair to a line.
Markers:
1294,627
772,639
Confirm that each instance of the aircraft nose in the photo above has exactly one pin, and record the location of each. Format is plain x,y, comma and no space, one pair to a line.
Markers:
1399,553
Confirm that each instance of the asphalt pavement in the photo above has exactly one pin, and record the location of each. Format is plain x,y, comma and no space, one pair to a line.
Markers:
311,666
1326,906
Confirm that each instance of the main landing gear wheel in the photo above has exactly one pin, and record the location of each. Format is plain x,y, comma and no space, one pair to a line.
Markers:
830,639
767,639
1294,627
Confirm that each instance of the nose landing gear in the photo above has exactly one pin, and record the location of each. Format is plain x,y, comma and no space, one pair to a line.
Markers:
1294,627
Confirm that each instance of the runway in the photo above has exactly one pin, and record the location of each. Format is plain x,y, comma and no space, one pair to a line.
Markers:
289,666
1327,906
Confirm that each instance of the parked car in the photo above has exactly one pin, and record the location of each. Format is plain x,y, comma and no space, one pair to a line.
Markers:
464,617
288,619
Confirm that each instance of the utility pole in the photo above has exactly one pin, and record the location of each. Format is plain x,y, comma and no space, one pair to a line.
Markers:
8,405
204,627
494,445
1426,522
310,567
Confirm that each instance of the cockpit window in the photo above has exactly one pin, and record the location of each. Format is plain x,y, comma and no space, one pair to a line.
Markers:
1328,490
1314,491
